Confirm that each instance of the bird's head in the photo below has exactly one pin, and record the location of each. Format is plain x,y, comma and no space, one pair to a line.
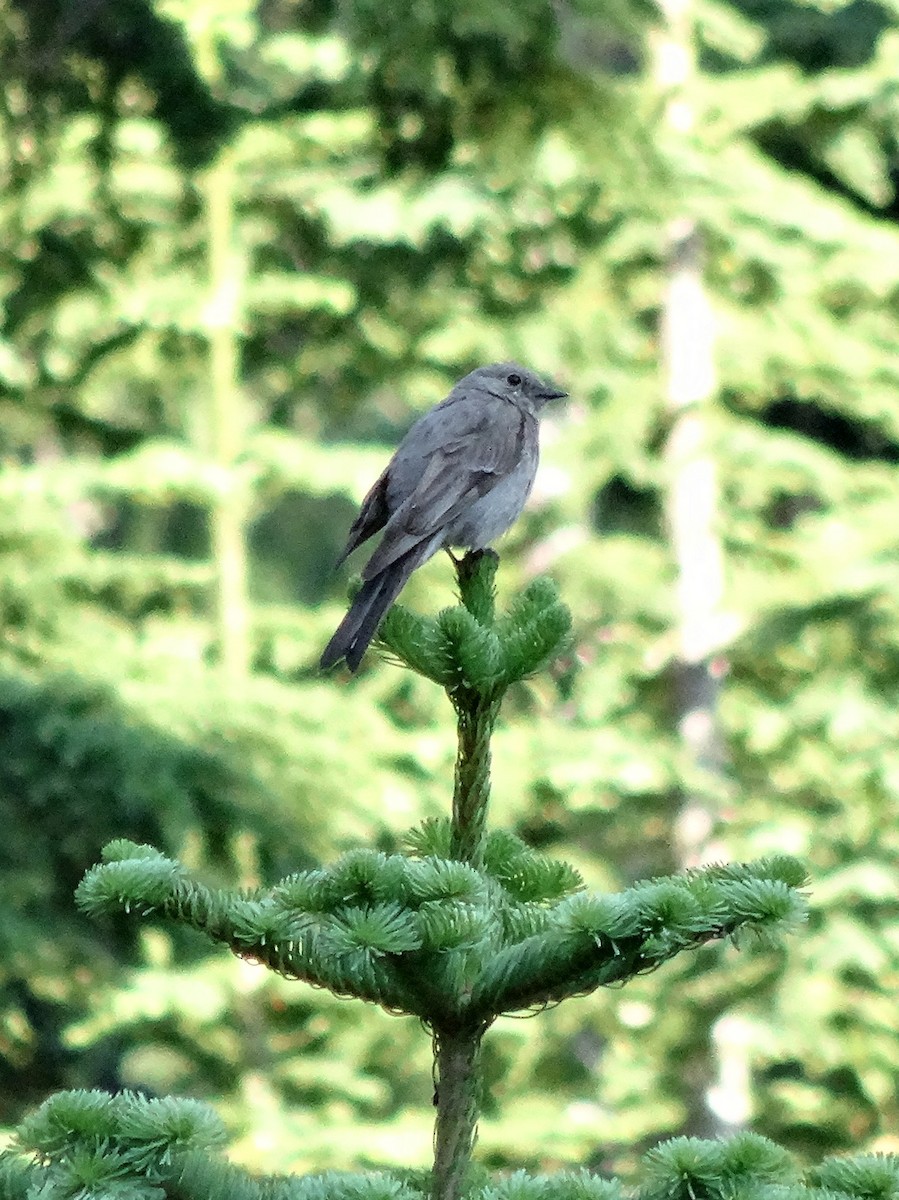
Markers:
513,382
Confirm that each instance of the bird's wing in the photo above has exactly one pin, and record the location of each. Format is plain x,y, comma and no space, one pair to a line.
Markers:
481,451
372,517
426,437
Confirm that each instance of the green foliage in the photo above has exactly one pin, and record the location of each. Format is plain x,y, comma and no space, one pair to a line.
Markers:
144,1130
371,926
128,1147
90,1143
415,194
418,643
688,1167
462,650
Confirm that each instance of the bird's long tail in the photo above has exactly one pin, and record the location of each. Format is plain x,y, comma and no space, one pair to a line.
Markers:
374,598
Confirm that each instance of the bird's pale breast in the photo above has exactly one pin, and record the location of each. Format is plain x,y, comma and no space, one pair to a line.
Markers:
488,517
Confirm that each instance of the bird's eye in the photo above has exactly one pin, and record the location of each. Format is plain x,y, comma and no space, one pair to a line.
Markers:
513,380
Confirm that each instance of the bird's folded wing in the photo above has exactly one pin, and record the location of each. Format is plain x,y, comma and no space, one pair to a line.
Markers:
372,517
454,475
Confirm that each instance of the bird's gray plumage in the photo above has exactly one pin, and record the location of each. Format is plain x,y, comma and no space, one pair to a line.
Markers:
460,477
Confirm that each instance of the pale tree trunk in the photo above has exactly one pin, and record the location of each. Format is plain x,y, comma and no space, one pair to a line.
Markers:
718,1072
227,423
692,504
227,413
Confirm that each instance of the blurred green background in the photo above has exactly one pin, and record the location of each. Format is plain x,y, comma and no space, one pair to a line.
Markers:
243,244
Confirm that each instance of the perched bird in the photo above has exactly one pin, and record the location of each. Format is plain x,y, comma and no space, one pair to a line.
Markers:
460,477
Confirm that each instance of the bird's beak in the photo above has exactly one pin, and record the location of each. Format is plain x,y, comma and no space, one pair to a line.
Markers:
552,394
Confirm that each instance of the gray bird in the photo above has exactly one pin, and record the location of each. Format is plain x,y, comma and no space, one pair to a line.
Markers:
460,477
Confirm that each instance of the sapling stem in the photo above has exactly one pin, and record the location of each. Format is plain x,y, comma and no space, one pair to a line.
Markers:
457,1050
